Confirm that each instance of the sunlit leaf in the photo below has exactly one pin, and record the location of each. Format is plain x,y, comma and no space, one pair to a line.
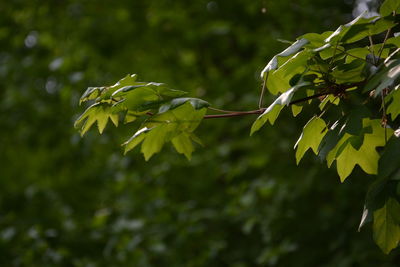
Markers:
272,112
360,150
366,27
360,22
98,112
173,124
311,137
106,91
291,50
359,52
278,81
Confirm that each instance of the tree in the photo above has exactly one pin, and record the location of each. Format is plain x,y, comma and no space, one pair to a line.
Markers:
350,76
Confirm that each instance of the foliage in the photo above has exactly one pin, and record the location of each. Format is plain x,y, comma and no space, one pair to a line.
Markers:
71,201
349,72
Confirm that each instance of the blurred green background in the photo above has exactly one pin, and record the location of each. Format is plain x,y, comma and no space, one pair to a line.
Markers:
241,201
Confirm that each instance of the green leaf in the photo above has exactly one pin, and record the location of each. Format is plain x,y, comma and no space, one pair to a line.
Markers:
316,40
329,99
354,121
394,107
278,81
389,6
349,73
348,152
183,144
296,110
145,97
137,98
376,197
272,112
381,25
98,112
106,91
136,139
342,30
390,160
387,76
291,50
313,133
329,51
367,27
174,124
386,229
195,102
394,41
360,52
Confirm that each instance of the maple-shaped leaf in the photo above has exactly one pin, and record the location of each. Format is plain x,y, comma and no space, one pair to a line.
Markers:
386,225
105,91
313,133
98,112
352,150
175,123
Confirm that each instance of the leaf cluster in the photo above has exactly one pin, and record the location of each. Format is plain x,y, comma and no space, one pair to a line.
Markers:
352,74
167,115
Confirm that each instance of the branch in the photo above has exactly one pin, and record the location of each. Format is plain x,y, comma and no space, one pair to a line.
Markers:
308,98
261,110
236,114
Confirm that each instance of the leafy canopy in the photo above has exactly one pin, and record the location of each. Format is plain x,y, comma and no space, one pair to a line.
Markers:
349,77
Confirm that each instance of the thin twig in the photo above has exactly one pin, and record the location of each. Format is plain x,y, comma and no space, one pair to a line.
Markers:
353,55
261,110
383,44
236,114
223,110
308,98
260,101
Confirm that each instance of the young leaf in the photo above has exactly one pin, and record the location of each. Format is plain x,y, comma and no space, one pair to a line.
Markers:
195,102
106,91
183,144
145,97
313,133
98,112
386,228
174,124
